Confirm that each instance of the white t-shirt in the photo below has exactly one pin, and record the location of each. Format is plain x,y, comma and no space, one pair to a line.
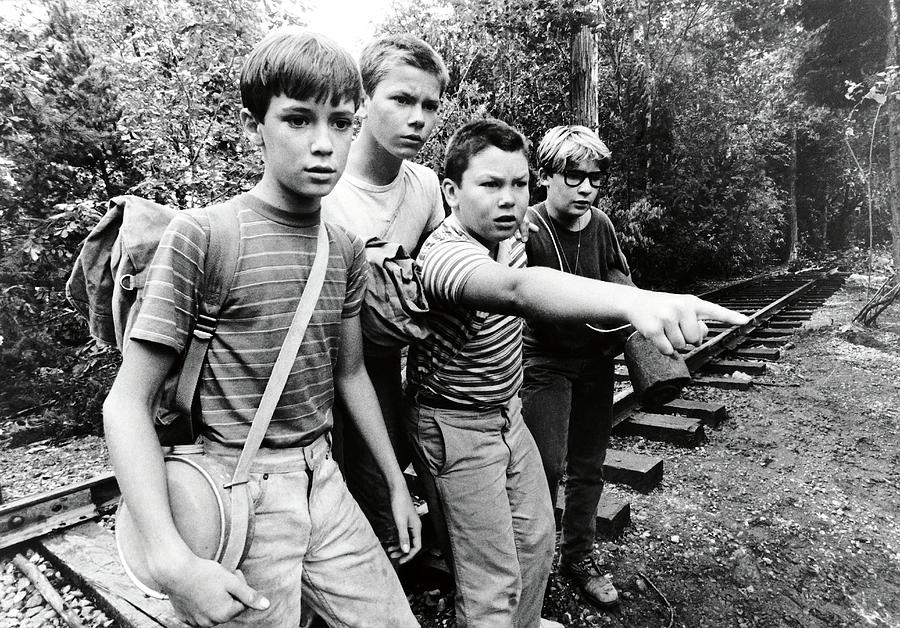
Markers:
401,211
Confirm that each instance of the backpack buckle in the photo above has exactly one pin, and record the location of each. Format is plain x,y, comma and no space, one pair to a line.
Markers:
204,327
126,282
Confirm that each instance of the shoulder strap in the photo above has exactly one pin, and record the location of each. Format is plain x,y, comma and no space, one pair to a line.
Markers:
240,502
285,360
219,267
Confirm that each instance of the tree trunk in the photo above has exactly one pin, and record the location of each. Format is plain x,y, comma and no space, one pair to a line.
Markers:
584,73
893,93
793,237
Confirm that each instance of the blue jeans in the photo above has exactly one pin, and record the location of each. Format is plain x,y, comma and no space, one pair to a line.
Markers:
567,405
310,539
493,494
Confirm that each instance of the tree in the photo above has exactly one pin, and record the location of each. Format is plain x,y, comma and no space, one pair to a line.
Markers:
893,89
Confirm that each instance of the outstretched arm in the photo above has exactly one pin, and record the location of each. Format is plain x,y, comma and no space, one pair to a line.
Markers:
203,592
352,384
670,321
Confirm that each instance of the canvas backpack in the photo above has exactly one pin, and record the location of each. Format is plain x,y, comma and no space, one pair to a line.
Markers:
394,310
107,282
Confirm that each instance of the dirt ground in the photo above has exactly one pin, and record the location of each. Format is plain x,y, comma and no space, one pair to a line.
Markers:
789,515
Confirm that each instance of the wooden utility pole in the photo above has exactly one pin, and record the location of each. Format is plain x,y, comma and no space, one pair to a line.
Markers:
893,105
584,72
793,236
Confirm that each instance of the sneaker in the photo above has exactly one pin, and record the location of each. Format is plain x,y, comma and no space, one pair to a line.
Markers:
590,580
549,623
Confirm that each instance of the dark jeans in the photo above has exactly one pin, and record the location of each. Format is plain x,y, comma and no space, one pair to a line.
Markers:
567,405
364,479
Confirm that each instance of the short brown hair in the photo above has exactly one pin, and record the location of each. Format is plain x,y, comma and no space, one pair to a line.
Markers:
379,56
298,64
475,136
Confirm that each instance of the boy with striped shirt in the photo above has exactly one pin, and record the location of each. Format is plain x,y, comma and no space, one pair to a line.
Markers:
465,416
299,92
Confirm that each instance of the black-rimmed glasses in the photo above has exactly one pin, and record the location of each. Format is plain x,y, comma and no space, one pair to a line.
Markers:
574,178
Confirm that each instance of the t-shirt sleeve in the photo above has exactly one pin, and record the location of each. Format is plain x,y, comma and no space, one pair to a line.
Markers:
170,297
615,257
447,266
436,215
357,274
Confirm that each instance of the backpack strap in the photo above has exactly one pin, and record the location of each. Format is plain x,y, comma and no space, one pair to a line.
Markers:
219,267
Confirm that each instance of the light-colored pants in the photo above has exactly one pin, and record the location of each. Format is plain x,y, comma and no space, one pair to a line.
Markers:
310,536
496,503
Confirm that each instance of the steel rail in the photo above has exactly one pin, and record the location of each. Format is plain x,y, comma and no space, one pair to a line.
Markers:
41,514
625,401
37,515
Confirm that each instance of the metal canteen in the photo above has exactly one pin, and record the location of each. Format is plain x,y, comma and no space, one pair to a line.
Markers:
656,378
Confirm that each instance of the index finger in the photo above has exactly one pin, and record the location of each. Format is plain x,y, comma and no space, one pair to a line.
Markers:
710,311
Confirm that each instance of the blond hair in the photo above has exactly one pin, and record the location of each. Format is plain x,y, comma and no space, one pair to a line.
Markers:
570,143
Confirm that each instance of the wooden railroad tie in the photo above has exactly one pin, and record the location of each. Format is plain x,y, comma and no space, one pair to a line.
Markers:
642,473
749,367
769,342
87,555
785,325
769,333
710,414
732,383
613,513
669,428
768,354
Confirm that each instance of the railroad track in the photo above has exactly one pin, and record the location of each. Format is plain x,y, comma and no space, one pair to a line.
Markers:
62,525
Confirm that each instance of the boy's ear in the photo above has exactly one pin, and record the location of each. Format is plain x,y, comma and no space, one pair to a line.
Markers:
363,111
544,177
251,127
450,189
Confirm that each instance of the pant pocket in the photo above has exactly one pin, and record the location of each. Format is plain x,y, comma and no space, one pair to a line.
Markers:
431,442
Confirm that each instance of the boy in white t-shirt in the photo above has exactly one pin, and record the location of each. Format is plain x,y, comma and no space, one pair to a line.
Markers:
383,194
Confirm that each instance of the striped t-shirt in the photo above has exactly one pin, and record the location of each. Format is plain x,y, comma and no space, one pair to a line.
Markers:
473,358
276,252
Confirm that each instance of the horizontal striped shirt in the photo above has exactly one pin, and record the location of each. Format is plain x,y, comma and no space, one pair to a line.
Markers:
473,357
277,249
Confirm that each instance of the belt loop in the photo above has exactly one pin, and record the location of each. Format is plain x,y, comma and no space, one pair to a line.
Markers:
316,451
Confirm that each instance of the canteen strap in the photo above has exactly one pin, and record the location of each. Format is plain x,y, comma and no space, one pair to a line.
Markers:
285,361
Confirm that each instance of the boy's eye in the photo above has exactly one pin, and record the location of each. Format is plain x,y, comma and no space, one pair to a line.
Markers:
342,124
431,106
403,100
297,121
520,184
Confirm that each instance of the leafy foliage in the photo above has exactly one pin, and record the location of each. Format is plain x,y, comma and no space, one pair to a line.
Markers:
700,102
694,105
106,98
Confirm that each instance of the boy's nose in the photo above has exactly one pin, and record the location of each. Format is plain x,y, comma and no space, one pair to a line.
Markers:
507,197
586,188
417,116
322,141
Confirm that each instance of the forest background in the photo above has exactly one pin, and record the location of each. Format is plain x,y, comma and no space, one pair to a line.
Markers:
745,133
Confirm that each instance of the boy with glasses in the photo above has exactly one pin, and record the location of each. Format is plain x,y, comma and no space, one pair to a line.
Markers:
567,393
